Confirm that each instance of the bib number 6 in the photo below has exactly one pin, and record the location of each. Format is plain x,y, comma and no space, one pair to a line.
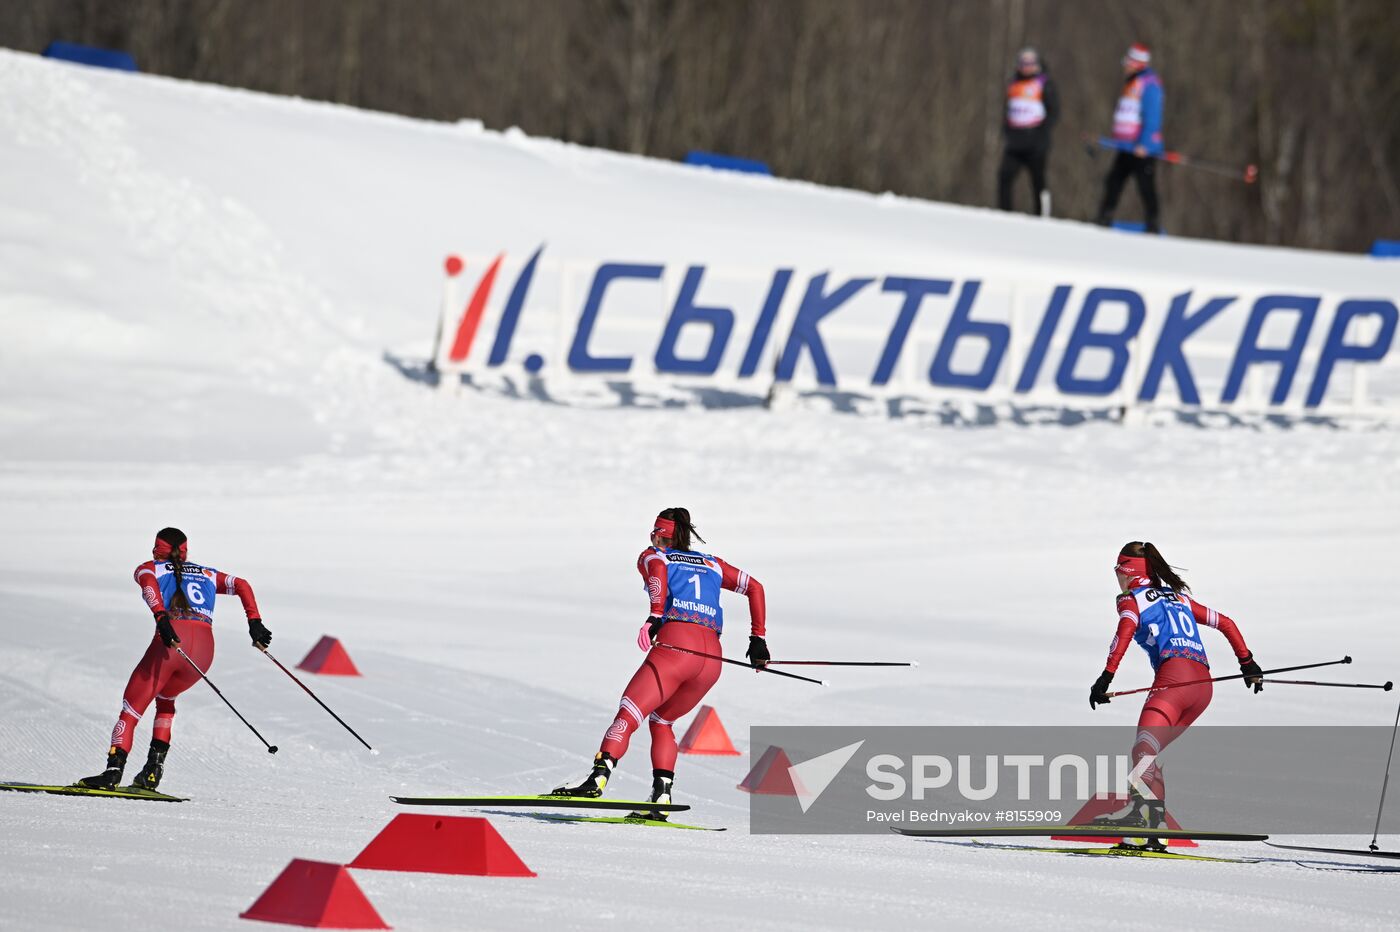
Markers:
194,593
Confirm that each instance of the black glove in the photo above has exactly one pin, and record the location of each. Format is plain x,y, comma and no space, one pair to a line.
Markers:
654,624
166,630
1253,676
1098,693
758,652
259,633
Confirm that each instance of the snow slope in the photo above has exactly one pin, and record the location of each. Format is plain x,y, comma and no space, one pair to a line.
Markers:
197,286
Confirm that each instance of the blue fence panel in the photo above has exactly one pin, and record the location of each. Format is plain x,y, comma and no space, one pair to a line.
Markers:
87,55
727,162
1386,248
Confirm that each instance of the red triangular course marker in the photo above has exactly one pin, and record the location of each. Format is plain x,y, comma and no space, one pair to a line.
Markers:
315,894
706,735
1102,805
329,658
441,845
770,776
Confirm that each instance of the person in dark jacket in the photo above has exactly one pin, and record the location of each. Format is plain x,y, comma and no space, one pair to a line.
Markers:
1032,107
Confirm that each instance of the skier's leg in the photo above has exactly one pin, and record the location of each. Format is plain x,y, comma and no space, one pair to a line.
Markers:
149,674
658,675
197,641
1167,714
1006,177
685,697
1146,174
1035,161
1113,186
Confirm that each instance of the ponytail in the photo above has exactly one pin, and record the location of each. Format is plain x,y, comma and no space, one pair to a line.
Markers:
685,530
171,544
179,600
1162,573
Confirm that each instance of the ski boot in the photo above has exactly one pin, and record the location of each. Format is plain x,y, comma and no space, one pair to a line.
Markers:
1138,813
592,786
661,781
149,777
110,778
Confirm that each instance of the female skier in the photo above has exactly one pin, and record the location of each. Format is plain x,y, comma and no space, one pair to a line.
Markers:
684,587
180,596
1156,610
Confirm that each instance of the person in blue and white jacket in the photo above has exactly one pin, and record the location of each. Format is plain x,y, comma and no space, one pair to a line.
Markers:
1137,131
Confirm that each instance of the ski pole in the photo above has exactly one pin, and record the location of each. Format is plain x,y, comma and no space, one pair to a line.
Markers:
1386,782
1237,676
845,663
271,748
742,663
1387,685
1249,174
318,701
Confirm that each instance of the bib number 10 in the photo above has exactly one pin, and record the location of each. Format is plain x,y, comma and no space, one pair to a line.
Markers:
1181,621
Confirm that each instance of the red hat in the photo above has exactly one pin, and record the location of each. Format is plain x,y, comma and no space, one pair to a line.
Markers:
1138,55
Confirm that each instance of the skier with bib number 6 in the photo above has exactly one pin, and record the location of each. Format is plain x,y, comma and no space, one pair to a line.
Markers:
683,586
1156,610
181,597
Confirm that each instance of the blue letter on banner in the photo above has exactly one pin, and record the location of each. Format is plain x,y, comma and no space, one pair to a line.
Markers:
1288,357
511,315
766,316
1085,336
1336,349
1036,357
1180,325
959,326
579,359
915,290
720,320
815,305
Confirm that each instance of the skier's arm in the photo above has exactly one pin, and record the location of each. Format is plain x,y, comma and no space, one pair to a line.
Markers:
1222,623
1127,625
229,584
652,566
736,580
1150,136
145,577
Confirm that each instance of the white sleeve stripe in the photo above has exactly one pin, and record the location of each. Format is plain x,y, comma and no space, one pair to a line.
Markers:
1127,614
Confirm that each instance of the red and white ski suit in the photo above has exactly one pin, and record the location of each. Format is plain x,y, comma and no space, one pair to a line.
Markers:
670,682
1167,713
162,674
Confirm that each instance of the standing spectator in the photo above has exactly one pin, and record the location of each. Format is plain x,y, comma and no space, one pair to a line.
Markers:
1137,131
1032,108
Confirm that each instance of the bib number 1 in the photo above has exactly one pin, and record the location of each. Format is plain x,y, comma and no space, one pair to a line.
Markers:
695,579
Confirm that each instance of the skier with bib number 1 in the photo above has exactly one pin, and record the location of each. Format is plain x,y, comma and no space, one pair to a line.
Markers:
1156,610
683,585
181,597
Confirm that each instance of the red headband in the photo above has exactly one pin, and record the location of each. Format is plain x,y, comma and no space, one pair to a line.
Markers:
162,549
665,527
1135,567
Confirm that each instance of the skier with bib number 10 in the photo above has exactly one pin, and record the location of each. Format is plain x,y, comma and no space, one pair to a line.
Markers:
684,586
1156,610
181,597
